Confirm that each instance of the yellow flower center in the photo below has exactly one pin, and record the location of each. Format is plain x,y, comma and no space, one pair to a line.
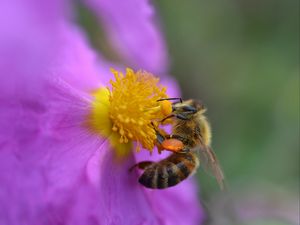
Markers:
129,110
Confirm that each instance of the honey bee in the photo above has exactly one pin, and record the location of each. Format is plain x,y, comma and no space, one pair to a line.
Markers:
189,142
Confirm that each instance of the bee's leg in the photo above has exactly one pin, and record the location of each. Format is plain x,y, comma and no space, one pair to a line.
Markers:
141,165
170,116
181,116
159,137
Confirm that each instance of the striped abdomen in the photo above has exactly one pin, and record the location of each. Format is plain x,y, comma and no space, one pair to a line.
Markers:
170,171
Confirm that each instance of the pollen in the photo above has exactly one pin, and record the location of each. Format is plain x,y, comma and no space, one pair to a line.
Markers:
128,110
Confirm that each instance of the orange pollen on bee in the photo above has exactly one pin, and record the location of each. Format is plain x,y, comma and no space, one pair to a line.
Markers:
172,144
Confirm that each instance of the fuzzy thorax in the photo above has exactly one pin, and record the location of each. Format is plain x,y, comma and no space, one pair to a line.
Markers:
128,110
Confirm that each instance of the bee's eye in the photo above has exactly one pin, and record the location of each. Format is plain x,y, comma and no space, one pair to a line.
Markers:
189,108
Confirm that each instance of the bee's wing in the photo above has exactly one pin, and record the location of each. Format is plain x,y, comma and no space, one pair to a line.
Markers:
211,164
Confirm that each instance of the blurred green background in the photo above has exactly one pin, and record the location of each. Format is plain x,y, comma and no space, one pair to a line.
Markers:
241,57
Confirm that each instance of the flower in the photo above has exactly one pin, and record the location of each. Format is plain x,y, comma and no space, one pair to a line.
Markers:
53,168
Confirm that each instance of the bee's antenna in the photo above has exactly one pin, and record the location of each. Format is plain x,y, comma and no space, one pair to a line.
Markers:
164,99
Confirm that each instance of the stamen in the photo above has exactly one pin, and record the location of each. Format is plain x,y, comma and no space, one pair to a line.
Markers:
130,109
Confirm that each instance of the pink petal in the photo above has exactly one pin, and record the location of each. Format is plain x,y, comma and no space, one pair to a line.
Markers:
133,31
122,200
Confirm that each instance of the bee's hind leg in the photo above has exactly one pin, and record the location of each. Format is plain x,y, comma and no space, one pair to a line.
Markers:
141,165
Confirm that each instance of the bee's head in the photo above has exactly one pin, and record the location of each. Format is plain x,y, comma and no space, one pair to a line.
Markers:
188,108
